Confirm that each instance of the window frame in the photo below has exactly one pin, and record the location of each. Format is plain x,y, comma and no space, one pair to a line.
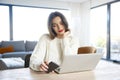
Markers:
108,56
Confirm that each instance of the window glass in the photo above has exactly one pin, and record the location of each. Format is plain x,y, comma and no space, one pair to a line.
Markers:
98,28
115,31
4,23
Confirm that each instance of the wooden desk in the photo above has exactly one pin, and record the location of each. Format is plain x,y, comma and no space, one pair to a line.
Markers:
104,71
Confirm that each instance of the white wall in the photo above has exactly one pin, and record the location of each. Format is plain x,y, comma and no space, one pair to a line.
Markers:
39,3
81,18
85,23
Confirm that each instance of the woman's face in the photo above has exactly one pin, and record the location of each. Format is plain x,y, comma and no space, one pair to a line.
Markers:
58,26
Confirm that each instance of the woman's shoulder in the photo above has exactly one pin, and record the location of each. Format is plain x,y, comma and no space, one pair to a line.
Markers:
45,36
73,38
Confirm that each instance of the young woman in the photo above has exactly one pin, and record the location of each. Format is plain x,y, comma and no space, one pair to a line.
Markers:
55,45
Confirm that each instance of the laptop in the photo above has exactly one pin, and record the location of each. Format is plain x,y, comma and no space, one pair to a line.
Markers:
80,62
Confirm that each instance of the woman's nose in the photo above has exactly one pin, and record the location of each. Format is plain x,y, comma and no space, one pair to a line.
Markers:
59,26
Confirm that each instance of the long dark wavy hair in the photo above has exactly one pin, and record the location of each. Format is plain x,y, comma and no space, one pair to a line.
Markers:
50,24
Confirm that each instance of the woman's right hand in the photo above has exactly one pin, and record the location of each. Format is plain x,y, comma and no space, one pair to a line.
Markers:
44,66
66,33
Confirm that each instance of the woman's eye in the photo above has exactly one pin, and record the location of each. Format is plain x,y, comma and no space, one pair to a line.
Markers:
54,26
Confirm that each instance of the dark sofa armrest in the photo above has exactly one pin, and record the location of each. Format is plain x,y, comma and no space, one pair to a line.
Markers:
3,66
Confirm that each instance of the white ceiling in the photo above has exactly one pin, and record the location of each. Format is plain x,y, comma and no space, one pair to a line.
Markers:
76,1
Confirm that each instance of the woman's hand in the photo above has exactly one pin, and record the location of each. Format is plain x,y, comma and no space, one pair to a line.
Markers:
66,34
44,66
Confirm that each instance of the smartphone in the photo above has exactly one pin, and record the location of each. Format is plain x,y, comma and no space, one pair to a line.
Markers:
52,66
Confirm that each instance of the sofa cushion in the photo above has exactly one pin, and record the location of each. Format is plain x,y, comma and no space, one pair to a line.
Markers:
6,49
18,45
30,45
12,63
15,54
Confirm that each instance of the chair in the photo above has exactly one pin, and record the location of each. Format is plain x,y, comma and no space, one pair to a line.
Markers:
86,50
27,60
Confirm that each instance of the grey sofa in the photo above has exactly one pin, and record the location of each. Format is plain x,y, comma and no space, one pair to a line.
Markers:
21,48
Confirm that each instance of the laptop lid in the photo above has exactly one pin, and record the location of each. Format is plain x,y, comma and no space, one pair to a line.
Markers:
80,62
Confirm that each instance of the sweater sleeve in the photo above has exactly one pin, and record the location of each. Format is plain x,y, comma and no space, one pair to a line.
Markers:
38,54
70,45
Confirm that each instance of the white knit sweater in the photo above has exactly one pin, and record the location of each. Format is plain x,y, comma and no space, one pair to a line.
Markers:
52,50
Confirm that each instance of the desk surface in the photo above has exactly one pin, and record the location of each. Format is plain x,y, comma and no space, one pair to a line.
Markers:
104,71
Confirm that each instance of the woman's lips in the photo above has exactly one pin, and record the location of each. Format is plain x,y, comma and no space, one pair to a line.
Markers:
60,30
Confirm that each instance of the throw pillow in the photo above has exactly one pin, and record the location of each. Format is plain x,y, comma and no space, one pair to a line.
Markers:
6,49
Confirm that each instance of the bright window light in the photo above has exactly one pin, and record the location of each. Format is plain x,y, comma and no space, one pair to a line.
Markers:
31,23
4,23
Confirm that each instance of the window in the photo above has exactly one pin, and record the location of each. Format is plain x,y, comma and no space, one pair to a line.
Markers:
4,23
105,28
31,23
25,23
115,31
99,28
